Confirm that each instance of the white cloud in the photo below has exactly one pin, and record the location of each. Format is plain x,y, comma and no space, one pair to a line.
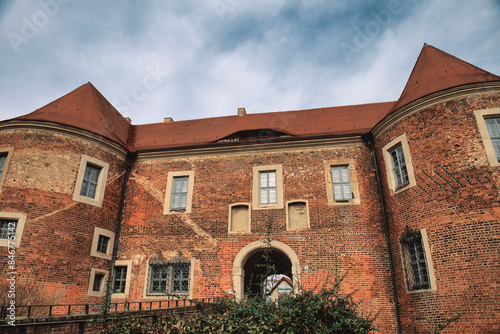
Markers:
264,55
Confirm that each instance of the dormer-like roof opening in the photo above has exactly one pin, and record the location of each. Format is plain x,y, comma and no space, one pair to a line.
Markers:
248,135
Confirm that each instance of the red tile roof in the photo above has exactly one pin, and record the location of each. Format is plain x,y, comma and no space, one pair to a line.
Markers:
85,108
299,123
435,71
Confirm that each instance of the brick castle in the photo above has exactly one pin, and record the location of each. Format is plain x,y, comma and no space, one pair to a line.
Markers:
403,196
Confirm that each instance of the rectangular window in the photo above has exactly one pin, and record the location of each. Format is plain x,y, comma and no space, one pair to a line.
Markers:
168,279
11,228
3,160
102,244
90,181
493,126
399,167
98,280
415,264
120,280
7,226
180,193
268,193
341,183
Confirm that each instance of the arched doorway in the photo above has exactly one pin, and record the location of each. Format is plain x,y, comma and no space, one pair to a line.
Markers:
249,265
257,269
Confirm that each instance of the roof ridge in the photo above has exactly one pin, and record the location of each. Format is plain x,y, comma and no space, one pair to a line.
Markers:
270,112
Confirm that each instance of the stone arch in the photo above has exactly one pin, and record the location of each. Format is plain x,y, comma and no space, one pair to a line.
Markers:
246,252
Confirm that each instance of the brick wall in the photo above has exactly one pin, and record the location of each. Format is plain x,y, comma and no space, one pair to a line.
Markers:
57,238
344,238
456,200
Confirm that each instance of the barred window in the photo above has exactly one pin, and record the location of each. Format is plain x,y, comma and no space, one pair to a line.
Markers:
415,264
102,244
493,126
7,226
399,167
120,279
180,193
168,278
341,183
268,193
90,181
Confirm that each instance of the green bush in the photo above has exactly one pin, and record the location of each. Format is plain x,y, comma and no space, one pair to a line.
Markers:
326,311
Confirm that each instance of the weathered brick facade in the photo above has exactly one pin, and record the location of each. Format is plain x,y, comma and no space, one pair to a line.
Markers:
452,197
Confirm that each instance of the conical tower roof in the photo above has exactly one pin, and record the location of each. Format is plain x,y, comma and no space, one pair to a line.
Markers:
85,108
435,71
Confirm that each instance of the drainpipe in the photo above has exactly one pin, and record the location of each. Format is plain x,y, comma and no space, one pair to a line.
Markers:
130,159
368,137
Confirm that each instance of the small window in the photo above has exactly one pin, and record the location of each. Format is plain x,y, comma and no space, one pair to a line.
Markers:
5,156
493,126
11,228
168,279
97,284
488,122
341,183
398,164
267,188
416,261
120,280
7,228
102,244
91,181
179,193
399,167
3,160
268,193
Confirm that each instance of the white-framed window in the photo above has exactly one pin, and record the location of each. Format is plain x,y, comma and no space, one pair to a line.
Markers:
417,263
102,243
341,185
341,182
398,163
399,166
488,121
91,181
121,280
169,279
97,283
11,228
267,183
267,187
5,157
179,192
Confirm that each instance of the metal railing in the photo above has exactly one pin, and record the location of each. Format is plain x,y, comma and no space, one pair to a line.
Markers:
40,311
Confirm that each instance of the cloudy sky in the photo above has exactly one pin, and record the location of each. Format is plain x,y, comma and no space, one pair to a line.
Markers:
195,59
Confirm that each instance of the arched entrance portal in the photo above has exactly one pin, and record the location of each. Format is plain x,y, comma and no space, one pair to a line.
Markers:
248,263
257,269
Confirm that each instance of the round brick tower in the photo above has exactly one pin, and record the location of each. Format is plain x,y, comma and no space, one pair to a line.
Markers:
66,168
440,188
